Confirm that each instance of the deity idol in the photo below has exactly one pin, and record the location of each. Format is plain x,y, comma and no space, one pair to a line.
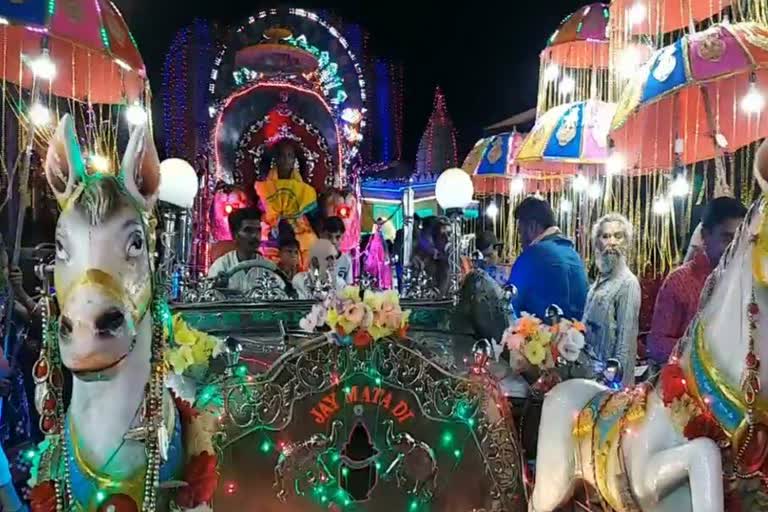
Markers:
284,196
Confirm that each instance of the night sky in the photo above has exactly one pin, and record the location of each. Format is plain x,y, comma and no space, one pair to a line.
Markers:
483,54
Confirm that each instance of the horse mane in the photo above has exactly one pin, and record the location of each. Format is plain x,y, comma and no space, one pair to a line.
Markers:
99,200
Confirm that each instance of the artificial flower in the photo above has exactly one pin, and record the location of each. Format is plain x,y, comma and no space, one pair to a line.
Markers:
350,293
373,300
202,478
579,326
352,316
543,337
332,318
43,497
378,332
535,353
528,325
180,358
361,339
512,340
569,345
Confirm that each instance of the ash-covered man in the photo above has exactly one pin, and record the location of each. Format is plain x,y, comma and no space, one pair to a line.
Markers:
613,302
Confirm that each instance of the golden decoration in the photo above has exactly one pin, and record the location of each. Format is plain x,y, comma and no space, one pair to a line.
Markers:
711,46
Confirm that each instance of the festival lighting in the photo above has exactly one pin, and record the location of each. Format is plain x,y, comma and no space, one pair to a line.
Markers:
754,101
661,206
551,72
344,212
100,162
567,85
136,115
43,67
123,65
580,183
616,164
637,13
492,211
630,61
454,189
595,191
40,115
228,209
566,206
679,187
517,186
178,183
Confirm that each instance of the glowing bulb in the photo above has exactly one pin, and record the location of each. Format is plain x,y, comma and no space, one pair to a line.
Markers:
228,209
661,206
629,61
136,115
580,183
4,21
492,211
551,72
124,65
616,164
679,187
40,115
43,67
753,102
567,85
212,111
517,186
595,191
100,162
637,14
566,206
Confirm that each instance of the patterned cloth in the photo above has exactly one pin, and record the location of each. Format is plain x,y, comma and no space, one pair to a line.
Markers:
499,273
676,305
611,316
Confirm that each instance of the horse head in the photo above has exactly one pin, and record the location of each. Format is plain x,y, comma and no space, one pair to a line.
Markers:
103,270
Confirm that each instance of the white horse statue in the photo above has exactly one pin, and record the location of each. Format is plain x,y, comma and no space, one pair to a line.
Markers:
670,448
119,444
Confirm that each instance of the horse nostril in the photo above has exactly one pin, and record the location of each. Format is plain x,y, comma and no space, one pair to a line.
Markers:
65,326
109,321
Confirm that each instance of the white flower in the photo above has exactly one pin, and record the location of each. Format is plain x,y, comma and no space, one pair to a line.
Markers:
182,387
569,344
218,348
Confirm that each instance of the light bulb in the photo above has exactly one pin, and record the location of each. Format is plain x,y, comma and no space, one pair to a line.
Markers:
595,191
492,210
40,115
616,164
580,183
517,186
679,187
136,115
43,67
630,60
661,206
100,162
566,206
123,65
551,72
212,111
637,13
567,85
753,102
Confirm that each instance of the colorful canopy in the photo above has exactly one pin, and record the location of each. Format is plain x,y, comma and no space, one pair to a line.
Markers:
652,17
95,55
492,163
693,91
567,137
581,40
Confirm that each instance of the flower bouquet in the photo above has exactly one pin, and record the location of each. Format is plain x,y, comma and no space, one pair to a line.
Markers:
353,320
536,349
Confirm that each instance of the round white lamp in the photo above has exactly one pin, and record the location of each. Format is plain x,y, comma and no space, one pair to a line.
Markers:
178,183
454,189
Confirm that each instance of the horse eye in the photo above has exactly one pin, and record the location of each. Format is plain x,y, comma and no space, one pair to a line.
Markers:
61,252
135,245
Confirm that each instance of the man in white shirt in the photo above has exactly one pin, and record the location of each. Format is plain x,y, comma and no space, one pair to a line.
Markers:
322,257
333,231
245,225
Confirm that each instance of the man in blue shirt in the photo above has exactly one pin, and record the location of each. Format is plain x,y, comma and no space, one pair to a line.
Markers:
549,270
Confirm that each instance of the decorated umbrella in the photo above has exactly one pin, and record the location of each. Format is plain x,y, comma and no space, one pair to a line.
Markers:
84,45
574,64
567,139
695,100
642,17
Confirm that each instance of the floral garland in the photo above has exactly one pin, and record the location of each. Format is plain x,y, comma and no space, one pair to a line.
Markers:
187,351
359,322
534,343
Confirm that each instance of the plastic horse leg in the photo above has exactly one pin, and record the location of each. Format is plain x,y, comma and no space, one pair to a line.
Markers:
699,462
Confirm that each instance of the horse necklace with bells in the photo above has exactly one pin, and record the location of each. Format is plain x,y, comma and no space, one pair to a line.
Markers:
673,448
120,438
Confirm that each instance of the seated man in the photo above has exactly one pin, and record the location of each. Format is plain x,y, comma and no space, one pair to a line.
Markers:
613,303
549,270
678,300
333,231
488,260
245,225
322,259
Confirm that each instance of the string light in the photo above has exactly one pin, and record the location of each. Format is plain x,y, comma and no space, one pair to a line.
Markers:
567,85
551,72
136,115
43,67
616,164
679,187
754,101
566,206
630,61
517,186
661,206
580,183
492,211
637,13
595,191
100,162
40,115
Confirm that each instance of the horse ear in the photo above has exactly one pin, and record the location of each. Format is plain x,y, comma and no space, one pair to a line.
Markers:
63,159
141,167
761,166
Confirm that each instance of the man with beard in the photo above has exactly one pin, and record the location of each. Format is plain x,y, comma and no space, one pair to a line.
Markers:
613,302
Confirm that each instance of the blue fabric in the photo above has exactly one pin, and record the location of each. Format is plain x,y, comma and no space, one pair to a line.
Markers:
495,157
572,148
550,272
31,12
678,77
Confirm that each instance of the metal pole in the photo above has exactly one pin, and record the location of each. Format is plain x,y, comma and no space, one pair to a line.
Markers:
454,256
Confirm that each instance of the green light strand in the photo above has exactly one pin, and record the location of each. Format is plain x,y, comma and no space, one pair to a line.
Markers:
51,8
105,38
